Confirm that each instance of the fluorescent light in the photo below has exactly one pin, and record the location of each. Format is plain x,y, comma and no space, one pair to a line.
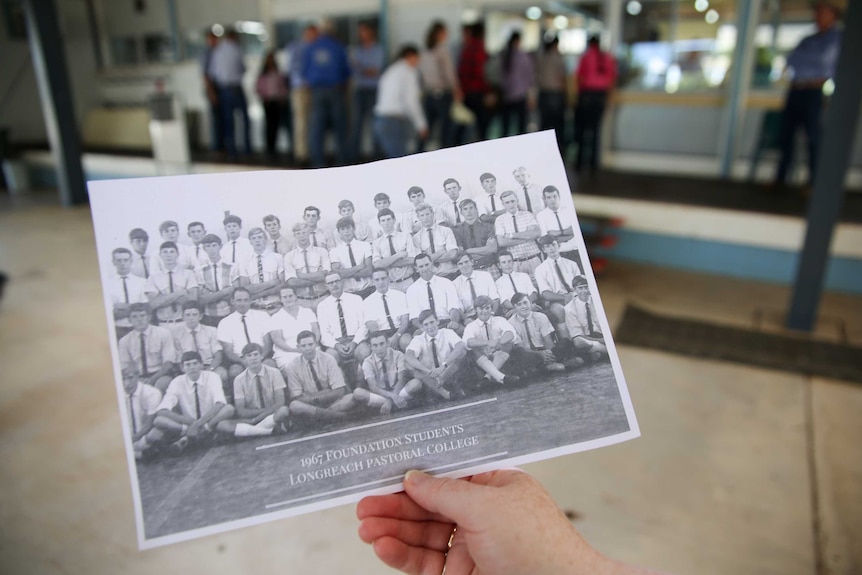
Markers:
634,7
534,12
701,5
711,17
561,22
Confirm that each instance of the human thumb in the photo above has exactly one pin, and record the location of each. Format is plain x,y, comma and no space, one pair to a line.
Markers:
453,498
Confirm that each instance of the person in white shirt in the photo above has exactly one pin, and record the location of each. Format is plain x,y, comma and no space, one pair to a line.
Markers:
148,348
398,110
342,328
472,284
124,289
583,322
381,202
316,384
491,339
535,341
319,237
554,277
191,335
517,231
142,403
263,274
142,264
216,279
394,251
437,242
286,324
243,326
530,197
237,248
448,213
226,68
168,290
276,242
386,311
352,259
512,282
410,219
492,204
386,375
346,209
170,232
258,395
311,265
192,407
197,232
435,293
436,358
559,223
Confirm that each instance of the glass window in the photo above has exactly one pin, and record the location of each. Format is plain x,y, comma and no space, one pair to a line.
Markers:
678,45
781,26
157,48
124,50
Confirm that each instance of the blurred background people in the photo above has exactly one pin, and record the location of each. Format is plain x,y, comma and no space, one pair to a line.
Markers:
300,99
594,81
326,71
399,107
439,83
478,96
227,69
517,79
552,83
812,63
366,63
273,92
216,131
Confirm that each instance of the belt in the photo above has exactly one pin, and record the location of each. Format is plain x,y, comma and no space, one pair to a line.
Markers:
527,258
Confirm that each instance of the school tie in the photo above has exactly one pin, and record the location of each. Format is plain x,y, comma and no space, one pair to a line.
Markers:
126,288
350,254
245,329
529,335
388,315
431,240
472,236
385,373
132,412
341,322
144,368
515,222
195,340
434,352
314,238
487,332
305,257
314,376
259,386
493,203
171,289
457,213
561,276
431,299
527,198
260,267
275,246
391,247
215,276
511,281
197,402
197,252
559,223
590,329
472,290
233,257
146,269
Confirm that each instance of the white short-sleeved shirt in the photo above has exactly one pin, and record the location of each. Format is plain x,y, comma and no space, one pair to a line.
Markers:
309,260
330,325
444,293
409,220
169,282
489,203
539,326
507,224
204,341
444,240
372,368
497,326
321,238
246,394
158,343
509,284
132,292
537,200
558,221
578,319
445,342
290,327
216,277
181,392
401,241
548,279
300,379
374,310
483,284
265,267
448,213
341,254
145,400
231,331
145,265
236,251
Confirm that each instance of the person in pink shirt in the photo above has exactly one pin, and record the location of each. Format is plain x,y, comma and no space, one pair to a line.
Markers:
594,80
272,89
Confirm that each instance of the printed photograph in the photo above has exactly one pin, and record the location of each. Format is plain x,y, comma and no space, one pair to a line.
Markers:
288,341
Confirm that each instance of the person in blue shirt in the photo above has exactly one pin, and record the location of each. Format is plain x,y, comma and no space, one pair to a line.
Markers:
300,101
812,63
326,71
366,63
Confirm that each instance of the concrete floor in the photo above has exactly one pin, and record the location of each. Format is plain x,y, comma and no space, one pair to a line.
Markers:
739,470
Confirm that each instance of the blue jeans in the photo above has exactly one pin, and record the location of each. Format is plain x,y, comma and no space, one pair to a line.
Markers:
392,133
362,109
231,100
437,109
327,109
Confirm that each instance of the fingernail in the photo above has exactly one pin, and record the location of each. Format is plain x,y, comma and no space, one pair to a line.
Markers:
415,476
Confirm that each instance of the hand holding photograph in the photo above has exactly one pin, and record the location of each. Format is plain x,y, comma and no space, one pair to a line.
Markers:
288,341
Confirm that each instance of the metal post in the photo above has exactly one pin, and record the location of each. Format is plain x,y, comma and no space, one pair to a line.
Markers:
383,28
46,47
828,192
174,28
612,14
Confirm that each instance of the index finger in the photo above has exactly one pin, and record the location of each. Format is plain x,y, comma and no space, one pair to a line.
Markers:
395,506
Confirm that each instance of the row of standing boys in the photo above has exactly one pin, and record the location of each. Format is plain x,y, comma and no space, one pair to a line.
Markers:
411,98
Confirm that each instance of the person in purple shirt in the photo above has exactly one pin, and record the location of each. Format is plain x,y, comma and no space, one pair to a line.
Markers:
813,62
366,62
326,71
518,72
